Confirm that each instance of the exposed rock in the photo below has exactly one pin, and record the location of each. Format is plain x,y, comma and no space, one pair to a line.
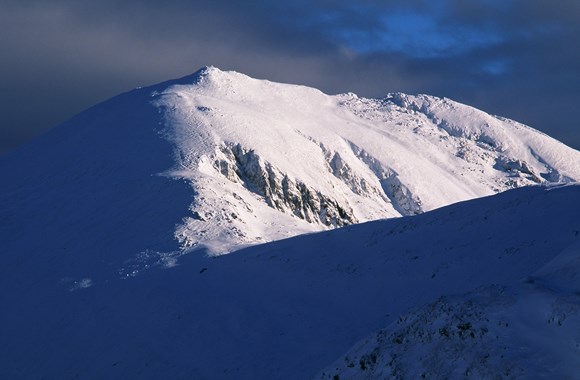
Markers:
517,168
280,191
403,200
342,170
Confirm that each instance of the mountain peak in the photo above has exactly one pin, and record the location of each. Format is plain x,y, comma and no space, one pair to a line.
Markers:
203,75
264,161
209,71
269,160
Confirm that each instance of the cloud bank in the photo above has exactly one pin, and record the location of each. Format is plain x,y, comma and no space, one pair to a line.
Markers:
518,58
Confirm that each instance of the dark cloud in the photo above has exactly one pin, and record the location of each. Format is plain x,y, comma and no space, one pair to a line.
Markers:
517,58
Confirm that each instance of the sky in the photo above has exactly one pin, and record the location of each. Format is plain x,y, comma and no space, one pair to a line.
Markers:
515,58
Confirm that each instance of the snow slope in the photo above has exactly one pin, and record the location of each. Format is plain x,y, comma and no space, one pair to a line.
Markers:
269,160
287,309
525,329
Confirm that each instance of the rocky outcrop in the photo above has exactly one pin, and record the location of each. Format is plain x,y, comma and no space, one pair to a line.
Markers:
517,168
403,200
343,171
278,190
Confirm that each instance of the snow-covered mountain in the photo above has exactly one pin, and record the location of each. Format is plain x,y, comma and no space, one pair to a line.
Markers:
102,219
269,160
262,160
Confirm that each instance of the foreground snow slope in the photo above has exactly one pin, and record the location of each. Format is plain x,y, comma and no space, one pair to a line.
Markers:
287,309
526,329
220,160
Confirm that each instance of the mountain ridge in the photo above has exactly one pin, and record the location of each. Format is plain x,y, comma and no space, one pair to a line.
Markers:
112,226
264,160
395,156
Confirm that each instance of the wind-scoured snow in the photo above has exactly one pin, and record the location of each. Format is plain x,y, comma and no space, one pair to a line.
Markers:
270,160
